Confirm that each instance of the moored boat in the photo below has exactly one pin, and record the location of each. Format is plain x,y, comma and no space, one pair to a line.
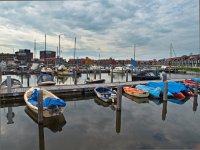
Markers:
154,92
145,75
45,79
92,81
14,84
105,94
52,105
135,92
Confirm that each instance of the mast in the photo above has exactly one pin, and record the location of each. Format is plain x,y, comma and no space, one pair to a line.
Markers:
59,48
134,50
34,48
74,50
45,50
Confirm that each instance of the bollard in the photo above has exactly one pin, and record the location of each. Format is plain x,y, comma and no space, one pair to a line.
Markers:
41,137
75,77
112,75
9,84
40,107
196,88
164,110
195,103
119,97
87,73
95,74
165,91
28,82
100,73
164,76
118,121
126,75
0,75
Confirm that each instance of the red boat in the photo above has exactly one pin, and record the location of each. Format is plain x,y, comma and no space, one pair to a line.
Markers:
179,96
189,82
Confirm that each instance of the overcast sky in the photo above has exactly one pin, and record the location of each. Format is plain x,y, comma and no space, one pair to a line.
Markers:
107,27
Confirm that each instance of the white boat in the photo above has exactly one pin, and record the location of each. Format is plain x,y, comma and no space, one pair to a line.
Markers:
45,79
118,70
105,94
52,105
14,84
47,70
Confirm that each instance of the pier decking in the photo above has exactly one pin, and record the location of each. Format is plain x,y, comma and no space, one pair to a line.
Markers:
71,90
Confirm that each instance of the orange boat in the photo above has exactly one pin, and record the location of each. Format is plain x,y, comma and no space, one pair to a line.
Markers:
135,92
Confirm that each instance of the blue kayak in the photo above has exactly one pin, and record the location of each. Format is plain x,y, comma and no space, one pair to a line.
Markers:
155,92
173,87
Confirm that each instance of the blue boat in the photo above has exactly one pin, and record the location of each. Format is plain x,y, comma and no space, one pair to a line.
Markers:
173,87
105,94
155,92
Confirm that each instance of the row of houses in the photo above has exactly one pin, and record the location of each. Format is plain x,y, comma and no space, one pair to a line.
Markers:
24,56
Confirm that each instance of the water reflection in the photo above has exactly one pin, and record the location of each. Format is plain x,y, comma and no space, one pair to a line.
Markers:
195,103
54,123
10,115
41,137
118,121
136,99
105,104
164,110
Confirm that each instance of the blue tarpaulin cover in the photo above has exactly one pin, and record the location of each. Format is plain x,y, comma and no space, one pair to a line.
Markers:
47,102
155,92
173,87
196,79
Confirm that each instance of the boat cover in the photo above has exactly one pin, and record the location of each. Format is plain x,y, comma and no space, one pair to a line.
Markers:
173,87
196,79
155,92
47,102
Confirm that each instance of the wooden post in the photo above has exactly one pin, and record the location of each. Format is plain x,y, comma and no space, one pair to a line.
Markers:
118,121
126,75
164,76
75,77
119,97
87,73
28,83
9,84
0,74
99,72
22,78
40,107
112,75
165,91
95,74
196,88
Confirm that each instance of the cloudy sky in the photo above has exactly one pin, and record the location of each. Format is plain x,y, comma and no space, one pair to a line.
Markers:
107,27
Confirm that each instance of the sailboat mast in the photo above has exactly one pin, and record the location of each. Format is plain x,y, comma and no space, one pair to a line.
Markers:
74,50
45,50
134,50
35,49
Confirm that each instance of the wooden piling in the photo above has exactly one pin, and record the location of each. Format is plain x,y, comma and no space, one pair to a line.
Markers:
75,77
119,97
195,103
196,88
165,91
95,74
9,84
164,110
112,75
164,76
41,137
100,73
87,73
126,75
28,81
40,107
0,74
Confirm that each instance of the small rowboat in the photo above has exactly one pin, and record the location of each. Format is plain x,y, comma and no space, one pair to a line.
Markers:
52,105
45,79
135,92
105,94
14,84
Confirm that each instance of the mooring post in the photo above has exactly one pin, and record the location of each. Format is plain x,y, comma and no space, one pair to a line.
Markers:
40,106
0,75
164,76
195,103
22,78
164,110
119,97
9,84
165,91
87,73
41,137
112,75
126,75
196,88
99,72
28,83
75,77
95,74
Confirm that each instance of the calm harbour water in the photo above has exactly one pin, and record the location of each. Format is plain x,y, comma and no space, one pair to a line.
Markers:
89,124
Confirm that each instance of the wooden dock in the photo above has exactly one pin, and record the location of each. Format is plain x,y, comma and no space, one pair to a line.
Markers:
70,90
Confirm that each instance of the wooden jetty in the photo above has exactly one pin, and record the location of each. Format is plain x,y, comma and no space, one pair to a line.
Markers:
70,90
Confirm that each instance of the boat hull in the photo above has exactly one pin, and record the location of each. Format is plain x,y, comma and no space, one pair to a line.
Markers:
135,92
